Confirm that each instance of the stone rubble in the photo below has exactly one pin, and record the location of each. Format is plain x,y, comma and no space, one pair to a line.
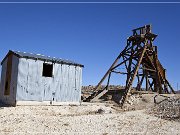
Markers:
169,108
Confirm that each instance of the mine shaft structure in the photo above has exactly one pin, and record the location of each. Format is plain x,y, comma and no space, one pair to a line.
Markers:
138,61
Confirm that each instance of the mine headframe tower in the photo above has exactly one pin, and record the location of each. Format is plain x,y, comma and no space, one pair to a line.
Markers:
139,59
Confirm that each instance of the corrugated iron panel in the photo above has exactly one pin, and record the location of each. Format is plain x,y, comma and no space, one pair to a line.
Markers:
78,77
3,79
62,87
57,81
34,82
14,76
22,84
72,83
9,99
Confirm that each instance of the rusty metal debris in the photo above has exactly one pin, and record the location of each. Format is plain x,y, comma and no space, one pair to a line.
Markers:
139,59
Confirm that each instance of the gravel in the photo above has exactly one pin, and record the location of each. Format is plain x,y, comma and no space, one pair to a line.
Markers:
169,108
88,118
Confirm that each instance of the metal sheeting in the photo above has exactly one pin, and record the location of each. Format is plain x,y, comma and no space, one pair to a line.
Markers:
9,99
41,57
64,86
3,79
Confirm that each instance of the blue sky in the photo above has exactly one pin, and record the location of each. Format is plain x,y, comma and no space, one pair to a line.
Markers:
91,34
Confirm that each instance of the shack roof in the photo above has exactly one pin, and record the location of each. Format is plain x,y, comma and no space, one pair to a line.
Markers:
41,57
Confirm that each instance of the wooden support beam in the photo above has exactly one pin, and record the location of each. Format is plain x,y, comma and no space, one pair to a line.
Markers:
150,85
172,90
129,85
147,81
103,92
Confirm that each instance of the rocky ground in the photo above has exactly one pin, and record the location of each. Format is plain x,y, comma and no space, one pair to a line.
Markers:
142,113
90,118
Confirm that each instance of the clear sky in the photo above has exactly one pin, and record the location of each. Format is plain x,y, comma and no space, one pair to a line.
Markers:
90,34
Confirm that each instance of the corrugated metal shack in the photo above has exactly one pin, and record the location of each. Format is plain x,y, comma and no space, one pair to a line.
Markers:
28,78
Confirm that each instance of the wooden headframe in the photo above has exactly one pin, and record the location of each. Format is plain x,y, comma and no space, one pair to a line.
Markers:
140,60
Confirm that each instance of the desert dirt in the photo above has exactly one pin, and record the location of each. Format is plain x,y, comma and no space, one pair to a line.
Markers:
88,118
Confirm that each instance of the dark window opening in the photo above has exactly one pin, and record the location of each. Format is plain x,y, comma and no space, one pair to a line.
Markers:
6,92
47,70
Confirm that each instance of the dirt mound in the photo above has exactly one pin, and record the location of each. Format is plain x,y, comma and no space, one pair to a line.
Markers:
138,101
169,108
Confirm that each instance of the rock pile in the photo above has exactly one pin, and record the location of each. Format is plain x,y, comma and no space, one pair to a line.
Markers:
169,109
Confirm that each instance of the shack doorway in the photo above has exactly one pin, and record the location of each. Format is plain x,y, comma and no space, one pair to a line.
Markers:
8,75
